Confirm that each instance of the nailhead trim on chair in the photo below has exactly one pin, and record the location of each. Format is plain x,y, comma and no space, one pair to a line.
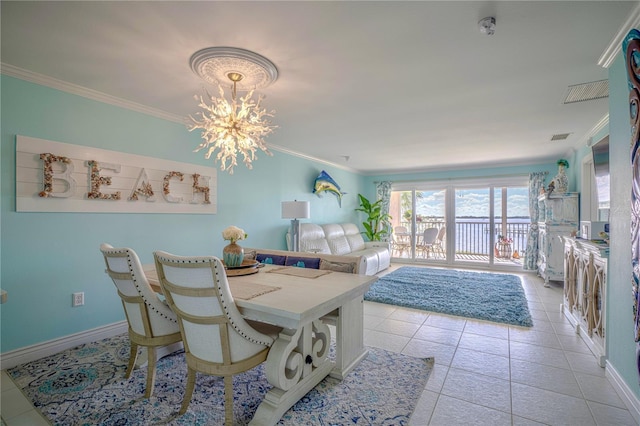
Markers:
135,282
224,302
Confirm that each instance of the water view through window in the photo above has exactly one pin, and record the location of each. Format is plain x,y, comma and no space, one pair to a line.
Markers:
481,225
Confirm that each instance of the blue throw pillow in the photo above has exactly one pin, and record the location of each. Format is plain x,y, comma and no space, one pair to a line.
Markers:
303,262
270,259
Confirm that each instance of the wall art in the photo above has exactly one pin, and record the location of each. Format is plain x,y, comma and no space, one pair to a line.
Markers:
325,183
631,50
60,177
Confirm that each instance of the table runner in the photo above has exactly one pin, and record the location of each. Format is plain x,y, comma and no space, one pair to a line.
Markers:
299,272
246,291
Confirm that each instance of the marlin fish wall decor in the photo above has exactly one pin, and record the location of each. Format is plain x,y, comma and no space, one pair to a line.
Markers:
325,183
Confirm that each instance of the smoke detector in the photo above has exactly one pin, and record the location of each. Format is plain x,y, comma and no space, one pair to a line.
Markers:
487,25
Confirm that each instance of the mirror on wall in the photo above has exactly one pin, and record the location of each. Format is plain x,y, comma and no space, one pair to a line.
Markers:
595,187
600,154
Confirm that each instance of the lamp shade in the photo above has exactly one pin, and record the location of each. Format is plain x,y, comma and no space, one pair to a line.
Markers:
296,210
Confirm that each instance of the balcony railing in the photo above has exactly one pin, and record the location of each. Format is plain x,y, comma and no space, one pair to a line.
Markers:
472,236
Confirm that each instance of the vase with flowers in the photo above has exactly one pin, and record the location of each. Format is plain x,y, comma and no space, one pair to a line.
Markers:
503,248
561,181
232,253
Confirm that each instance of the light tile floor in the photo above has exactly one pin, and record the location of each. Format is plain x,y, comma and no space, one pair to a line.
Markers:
16,409
484,374
491,374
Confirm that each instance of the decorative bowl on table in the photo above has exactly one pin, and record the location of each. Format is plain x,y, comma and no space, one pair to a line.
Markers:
248,267
246,263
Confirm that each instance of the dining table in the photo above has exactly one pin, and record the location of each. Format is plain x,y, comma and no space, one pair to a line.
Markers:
304,302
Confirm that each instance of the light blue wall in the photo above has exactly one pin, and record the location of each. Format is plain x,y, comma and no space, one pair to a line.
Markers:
46,257
621,346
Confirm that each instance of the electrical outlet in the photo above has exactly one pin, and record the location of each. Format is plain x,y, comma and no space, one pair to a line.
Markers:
78,299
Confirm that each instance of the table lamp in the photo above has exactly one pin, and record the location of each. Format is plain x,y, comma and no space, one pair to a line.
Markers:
295,210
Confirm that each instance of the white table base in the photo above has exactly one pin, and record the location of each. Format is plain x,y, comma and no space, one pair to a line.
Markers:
296,363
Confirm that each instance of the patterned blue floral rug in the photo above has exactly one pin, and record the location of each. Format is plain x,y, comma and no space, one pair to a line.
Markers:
86,386
481,295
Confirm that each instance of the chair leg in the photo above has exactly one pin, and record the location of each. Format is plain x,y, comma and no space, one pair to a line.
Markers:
228,400
133,355
151,370
188,392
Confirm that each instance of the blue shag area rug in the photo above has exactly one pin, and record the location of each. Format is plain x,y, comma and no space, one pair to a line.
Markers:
86,386
485,296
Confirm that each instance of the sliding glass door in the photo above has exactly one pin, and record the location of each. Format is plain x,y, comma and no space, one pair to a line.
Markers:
473,224
414,213
461,222
512,224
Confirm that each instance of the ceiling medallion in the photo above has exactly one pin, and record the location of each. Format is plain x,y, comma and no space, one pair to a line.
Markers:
213,64
238,125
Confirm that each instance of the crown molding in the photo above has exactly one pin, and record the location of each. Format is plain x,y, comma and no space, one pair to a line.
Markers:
43,80
586,139
612,50
461,166
314,159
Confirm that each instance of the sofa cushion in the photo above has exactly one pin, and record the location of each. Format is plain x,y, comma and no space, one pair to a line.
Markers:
356,243
348,267
319,245
303,262
350,229
271,259
311,238
339,245
332,230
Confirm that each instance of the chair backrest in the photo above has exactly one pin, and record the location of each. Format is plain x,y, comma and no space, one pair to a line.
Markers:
146,313
213,329
441,234
400,230
430,235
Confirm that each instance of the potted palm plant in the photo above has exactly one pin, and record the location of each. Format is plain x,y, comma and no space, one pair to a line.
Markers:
377,224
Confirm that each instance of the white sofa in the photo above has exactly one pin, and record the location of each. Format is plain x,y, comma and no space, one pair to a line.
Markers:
344,240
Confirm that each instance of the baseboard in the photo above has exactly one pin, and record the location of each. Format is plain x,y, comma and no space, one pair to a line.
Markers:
626,394
31,353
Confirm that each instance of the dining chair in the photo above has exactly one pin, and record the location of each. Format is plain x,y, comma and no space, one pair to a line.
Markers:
217,339
400,241
425,246
151,323
438,244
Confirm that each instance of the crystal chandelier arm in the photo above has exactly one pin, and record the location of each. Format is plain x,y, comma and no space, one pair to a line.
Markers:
230,128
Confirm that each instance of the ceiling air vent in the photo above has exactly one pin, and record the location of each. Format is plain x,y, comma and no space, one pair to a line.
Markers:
560,136
587,91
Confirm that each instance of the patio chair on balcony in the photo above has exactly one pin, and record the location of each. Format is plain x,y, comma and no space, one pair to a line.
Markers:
425,246
438,244
401,240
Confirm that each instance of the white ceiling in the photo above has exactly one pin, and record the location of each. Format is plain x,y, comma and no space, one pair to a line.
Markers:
395,86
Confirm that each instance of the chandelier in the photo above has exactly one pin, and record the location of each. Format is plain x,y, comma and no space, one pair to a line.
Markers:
238,126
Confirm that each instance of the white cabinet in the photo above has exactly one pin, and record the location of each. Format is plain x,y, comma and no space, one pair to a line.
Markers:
585,287
558,216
